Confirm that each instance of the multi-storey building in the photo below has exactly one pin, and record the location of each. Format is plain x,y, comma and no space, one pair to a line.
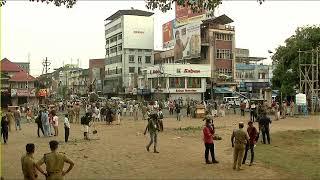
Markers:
18,86
129,48
252,76
78,81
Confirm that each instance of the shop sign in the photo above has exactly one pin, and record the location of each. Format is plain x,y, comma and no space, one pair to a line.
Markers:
186,90
42,92
191,71
23,92
155,71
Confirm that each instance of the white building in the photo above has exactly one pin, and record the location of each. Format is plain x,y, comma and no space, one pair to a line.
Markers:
129,48
175,80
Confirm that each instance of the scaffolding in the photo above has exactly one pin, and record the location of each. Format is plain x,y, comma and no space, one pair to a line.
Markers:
309,77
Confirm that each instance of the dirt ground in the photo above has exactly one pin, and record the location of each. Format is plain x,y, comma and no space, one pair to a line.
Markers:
118,151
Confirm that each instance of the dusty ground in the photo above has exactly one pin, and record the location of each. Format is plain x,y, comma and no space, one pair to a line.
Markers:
118,152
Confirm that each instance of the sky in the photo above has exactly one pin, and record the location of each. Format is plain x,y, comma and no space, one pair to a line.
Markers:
33,31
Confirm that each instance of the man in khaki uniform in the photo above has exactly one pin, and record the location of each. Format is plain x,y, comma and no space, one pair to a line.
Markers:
239,140
54,163
77,112
28,164
71,113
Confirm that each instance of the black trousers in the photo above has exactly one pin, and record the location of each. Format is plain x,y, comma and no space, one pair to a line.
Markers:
251,147
252,115
242,112
41,128
265,132
5,134
66,134
209,147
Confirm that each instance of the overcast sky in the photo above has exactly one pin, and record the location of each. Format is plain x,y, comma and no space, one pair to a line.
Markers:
63,34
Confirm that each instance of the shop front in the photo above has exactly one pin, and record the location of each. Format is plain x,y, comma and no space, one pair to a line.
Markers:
23,96
174,81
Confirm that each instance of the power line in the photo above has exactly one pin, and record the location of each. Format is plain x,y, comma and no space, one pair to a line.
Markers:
46,63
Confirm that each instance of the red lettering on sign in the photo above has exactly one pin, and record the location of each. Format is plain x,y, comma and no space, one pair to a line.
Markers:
191,71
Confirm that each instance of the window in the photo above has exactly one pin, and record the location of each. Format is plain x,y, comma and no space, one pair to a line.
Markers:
131,69
163,82
223,54
107,41
194,82
107,51
155,83
148,59
120,36
119,47
224,37
113,28
131,50
113,49
176,82
139,59
139,70
131,58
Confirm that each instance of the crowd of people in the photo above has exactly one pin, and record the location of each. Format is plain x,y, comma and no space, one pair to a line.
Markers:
110,111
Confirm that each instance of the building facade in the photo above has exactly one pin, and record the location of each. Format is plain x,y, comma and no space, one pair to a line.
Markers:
252,76
129,48
18,87
174,81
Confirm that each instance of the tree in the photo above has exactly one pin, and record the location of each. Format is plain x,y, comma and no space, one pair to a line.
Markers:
163,5
286,58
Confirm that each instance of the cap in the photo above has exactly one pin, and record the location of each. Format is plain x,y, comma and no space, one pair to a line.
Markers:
241,123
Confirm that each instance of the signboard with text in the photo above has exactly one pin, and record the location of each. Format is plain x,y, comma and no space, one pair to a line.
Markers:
23,93
167,34
184,15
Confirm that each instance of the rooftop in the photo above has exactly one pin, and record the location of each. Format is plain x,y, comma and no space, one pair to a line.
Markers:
223,19
8,66
22,76
134,12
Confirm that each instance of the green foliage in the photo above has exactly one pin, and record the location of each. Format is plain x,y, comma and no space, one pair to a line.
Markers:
286,58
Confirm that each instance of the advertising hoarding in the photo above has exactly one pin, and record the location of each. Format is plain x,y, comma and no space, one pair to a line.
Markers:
167,34
138,32
184,15
187,41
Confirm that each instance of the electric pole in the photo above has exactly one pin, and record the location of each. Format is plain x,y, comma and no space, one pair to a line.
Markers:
46,63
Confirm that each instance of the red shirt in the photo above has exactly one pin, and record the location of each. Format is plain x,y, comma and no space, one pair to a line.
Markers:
207,135
252,132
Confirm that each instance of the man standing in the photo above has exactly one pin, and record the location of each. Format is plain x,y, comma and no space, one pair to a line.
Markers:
264,122
85,121
252,132
77,112
45,122
39,123
242,108
208,132
239,140
66,128
160,119
17,117
5,128
178,112
252,111
135,111
152,128
28,164
54,162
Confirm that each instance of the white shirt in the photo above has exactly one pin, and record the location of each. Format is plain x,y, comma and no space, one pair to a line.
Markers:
66,122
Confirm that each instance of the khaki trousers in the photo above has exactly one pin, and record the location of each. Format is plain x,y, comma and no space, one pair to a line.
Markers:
238,154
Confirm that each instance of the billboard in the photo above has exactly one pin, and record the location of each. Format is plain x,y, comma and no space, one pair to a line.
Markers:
138,32
187,41
185,15
167,34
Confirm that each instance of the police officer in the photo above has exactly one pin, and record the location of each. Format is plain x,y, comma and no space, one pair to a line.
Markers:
239,140
54,163
28,164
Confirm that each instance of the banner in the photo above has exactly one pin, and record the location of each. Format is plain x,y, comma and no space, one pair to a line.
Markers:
187,41
167,34
184,15
23,92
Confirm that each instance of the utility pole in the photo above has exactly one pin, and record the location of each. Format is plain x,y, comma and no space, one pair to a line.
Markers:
46,63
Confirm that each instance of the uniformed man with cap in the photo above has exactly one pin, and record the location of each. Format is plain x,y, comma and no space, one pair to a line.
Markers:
54,163
239,140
